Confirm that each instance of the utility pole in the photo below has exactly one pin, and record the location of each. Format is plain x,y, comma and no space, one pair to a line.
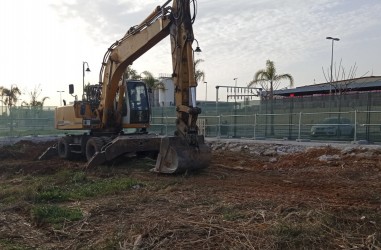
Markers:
235,108
60,91
333,40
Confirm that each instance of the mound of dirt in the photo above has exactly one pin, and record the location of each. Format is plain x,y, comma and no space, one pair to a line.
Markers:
23,150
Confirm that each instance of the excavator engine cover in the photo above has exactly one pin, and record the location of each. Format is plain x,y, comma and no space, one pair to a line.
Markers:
177,156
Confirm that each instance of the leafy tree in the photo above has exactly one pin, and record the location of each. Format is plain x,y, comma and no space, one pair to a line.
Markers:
269,80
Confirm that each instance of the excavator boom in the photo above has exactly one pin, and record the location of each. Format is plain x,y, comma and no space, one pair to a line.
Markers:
117,103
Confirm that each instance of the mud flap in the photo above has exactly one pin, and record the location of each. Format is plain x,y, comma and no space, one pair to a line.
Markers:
177,156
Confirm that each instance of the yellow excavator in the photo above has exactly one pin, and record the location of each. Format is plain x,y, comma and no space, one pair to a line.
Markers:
116,104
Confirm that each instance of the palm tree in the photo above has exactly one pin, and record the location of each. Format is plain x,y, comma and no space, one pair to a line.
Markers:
199,74
11,96
150,80
131,73
152,83
2,100
269,80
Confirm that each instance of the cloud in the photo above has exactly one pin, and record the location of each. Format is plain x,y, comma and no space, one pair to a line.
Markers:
239,36
105,19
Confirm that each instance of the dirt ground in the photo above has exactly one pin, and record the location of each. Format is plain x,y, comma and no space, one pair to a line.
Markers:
251,197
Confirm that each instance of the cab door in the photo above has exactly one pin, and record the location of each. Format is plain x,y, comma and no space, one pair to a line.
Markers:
137,103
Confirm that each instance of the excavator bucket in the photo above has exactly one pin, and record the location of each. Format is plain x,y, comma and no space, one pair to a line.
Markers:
177,156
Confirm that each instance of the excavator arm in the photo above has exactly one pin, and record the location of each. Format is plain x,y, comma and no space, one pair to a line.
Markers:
186,150
177,22
106,112
184,72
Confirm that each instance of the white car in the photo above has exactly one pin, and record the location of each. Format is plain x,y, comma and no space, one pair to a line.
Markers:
333,126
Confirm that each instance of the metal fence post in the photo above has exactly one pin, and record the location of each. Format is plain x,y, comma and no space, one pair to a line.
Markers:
255,125
219,126
300,125
355,127
166,125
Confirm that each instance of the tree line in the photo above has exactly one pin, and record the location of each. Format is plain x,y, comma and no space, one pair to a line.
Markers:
10,97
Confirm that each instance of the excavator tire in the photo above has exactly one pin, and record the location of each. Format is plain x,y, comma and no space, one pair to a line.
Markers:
63,148
93,145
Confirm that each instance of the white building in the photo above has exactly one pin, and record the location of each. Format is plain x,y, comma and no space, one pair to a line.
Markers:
166,93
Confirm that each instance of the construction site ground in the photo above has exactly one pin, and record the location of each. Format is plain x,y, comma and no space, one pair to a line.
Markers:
253,196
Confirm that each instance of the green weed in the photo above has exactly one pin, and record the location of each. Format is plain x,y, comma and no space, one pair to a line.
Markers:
84,190
54,214
8,244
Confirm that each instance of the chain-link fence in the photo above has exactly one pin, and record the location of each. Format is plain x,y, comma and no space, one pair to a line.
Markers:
340,126
349,117
21,121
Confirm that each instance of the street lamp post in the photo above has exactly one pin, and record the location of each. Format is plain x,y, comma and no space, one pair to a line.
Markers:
60,91
10,103
193,89
83,78
206,91
235,107
333,40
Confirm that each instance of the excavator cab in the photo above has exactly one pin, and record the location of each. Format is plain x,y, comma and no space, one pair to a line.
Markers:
137,107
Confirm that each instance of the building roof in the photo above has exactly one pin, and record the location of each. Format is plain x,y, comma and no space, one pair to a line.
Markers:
357,84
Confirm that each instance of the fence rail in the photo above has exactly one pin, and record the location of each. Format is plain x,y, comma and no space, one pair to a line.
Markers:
342,126
245,123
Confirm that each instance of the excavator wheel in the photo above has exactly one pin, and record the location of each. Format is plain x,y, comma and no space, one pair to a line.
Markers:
63,148
93,145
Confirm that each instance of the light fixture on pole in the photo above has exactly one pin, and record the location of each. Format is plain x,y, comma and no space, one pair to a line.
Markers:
235,79
333,40
83,78
198,47
60,91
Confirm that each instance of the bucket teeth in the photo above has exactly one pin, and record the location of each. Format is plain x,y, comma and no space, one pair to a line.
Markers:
177,156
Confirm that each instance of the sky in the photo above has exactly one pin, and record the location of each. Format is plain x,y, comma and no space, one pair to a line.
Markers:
44,42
